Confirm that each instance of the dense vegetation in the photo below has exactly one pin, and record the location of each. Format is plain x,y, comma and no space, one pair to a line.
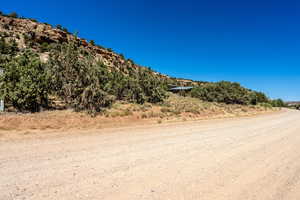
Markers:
25,83
278,103
74,76
230,93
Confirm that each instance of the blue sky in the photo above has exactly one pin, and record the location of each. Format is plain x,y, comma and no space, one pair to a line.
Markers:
256,43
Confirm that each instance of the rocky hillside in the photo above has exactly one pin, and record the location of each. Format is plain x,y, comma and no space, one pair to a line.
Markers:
44,64
29,33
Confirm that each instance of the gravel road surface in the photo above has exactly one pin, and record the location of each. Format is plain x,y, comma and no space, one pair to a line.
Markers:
232,159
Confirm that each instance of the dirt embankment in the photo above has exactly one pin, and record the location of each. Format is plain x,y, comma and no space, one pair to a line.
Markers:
174,109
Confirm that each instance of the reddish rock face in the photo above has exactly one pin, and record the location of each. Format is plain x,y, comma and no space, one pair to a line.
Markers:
41,33
84,43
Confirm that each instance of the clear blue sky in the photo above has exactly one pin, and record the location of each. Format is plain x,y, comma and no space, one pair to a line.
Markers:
256,43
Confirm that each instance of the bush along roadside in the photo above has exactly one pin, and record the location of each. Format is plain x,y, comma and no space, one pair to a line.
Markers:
233,93
74,76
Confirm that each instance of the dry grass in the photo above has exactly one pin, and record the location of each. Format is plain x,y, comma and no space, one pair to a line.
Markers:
125,114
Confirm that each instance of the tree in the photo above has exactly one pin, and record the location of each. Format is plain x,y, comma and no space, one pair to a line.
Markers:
25,83
151,85
44,47
261,97
92,42
74,75
58,26
9,48
13,14
3,46
258,97
78,80
278,103
65,30
122,56
223,92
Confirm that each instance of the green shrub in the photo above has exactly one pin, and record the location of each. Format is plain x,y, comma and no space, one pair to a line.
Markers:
137,87
78,80
58,26
44,47
33,20
65,30
92,42
9,49
258,97
25,83
93,99
265,105
278,103
223,92
130,61
152,87
13,14
75,76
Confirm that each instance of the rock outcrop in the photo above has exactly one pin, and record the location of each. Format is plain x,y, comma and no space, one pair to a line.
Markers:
21,30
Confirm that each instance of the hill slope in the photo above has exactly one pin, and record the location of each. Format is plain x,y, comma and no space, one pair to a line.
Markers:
47,67
29,33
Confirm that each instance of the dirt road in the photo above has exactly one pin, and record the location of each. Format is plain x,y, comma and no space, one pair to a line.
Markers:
248,158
